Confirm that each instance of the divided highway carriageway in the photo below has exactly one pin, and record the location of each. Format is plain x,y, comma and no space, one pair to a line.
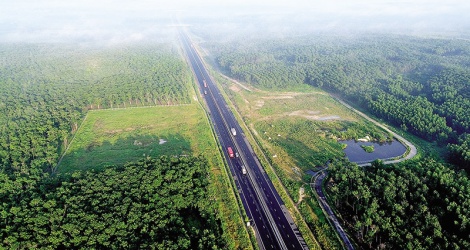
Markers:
269,217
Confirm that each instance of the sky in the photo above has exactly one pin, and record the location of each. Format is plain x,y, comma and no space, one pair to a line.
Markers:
117,21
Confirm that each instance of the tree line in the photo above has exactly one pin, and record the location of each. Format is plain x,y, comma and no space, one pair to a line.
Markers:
159,203
413,205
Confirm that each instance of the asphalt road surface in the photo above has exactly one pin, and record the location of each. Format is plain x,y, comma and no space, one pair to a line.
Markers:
318,180
269,217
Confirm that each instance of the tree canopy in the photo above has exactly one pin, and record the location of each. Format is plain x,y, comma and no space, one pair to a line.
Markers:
414,205
153,204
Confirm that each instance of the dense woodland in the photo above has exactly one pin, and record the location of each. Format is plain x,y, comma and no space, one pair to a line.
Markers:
45,92
421,85
414,205
151,204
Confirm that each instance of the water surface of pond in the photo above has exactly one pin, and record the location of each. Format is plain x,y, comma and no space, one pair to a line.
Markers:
355,153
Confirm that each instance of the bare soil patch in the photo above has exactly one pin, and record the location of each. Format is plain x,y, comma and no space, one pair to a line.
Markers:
234,88
278,97
259,104
313,115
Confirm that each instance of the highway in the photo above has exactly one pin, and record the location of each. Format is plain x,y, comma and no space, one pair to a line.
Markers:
269,217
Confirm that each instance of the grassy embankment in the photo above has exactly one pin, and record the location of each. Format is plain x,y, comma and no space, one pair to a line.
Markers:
114,137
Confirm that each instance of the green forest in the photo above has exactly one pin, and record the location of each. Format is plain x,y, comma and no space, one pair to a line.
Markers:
414,205
420,85
416,84
46,91
151,204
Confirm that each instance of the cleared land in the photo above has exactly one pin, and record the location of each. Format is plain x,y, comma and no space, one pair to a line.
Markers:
114,137
299,129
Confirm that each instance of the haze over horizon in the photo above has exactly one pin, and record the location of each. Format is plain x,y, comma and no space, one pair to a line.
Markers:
122,21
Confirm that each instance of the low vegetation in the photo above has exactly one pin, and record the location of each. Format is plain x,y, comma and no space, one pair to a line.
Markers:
300,129
114,137
368,149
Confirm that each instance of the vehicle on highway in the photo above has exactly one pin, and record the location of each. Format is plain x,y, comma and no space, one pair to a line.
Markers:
243,170
230,152
205,83
273,225
205,92
234,132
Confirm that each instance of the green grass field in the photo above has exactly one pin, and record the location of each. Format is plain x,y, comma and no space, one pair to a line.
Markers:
114,137
303,141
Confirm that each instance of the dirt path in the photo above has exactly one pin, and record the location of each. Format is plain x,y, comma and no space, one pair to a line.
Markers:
237,82
412,149
271,95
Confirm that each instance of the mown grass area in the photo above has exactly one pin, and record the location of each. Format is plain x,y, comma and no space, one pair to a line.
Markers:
114,137
314,106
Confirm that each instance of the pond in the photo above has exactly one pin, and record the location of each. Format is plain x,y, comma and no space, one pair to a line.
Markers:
356,153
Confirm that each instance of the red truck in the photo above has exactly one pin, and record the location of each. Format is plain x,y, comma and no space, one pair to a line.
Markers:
230,152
